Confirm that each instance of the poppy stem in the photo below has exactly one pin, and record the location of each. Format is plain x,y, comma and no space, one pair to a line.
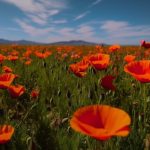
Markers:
46,72
26,115
88,143
145,102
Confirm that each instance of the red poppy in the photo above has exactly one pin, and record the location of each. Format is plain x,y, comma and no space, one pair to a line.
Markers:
99,61
129,58
6,132
145,44
16,90
34,93
101,121
140,70
7,69
107,82
6,79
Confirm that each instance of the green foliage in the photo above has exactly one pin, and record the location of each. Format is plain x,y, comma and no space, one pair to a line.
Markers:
43,123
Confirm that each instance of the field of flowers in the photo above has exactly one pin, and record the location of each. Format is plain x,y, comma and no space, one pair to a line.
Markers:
74,97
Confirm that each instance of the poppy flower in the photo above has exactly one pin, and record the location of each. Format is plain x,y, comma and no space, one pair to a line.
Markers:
7,69
27,53
43,55
76,70
83,65
2,58
107,82
6,79
145,44
101,121
12,58
80,68
6,132
75,56
99,49
129,58
14,53
16,90
114,48
28,62
34,93
140,70
64,55
99,61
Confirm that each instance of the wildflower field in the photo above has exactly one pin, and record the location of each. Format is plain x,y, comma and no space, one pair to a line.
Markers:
74,97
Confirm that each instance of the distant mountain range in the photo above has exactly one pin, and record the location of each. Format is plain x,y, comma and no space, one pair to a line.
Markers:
74,42
25,42
22,42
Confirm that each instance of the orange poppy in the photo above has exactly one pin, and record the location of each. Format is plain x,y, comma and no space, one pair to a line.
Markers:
27,53
114,48
6,79
6,132
7,69
140,70
107,82
16,90
14,53
101,121
75,56
2,58
43,55
99,61
129,58
12,58
64,55
80,68
75,69
99,48
28,62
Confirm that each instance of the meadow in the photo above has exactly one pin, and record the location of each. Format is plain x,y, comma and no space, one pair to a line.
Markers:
41,88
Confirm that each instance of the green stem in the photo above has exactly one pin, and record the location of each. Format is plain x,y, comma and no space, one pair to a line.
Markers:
46,72
26,115
145,102
88,143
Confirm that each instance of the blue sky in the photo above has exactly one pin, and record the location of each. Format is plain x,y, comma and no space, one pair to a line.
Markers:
108,21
